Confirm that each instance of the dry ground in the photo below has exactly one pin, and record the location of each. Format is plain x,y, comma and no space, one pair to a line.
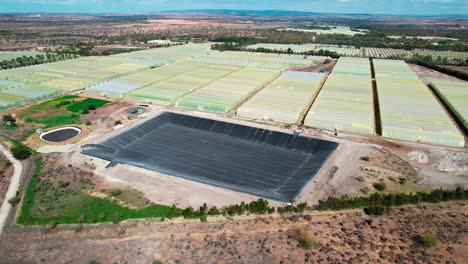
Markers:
6,171
457,68
339,237
427,75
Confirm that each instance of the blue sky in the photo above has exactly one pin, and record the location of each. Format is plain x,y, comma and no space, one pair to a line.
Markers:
324,6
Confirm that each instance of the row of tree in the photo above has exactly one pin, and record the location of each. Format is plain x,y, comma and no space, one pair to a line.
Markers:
35,60
375,40
231,46
374,204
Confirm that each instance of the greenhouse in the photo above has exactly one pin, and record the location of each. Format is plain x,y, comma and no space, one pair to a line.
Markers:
284,100
409,111
261,162
355,66
344,104
455,95
167,91
393,69
224,94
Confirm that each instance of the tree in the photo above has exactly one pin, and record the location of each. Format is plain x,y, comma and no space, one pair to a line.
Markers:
20,152
9,118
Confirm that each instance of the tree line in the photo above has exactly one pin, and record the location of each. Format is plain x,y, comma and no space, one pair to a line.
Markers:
375,204
35,60
231,46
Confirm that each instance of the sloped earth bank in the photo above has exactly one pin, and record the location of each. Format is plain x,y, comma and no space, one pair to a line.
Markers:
347,236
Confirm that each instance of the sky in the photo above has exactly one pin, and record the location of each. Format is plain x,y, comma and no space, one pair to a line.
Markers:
397,7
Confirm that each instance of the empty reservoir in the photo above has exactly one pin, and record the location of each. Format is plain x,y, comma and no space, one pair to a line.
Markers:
257,161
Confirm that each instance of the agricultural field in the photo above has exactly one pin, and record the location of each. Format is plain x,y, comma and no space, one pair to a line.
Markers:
386,53
283,100
395,69
334,30
449,55
9,55
345,101
192,77
349,51
408,110
259,60
53,78
353,66
224,94
455,96
344,104
60,111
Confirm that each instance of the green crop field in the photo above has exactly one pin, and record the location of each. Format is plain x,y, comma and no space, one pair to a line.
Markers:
86,104
55,112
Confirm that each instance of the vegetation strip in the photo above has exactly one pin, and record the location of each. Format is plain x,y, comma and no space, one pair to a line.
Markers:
95,209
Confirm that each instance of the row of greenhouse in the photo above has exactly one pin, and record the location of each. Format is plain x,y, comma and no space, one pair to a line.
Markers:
258,86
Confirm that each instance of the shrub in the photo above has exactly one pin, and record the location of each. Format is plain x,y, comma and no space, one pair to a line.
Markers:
92,107
14,200
88,123
117,218
213,211
118,122
78,229
203,218
188,213
52,225
62,103
84,112
304,238
115,192
9,118
427,240
365,158
379,186
374,210
63,184
157,262
20,152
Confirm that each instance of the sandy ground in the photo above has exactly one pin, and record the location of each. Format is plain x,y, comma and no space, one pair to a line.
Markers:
340,237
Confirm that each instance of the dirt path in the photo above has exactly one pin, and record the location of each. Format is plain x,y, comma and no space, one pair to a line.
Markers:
14,185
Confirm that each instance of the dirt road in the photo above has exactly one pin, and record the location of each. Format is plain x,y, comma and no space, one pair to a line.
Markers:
14,185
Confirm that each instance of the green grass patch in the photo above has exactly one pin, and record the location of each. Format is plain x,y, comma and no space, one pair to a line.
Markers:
52,113
54,120
43,204
86,104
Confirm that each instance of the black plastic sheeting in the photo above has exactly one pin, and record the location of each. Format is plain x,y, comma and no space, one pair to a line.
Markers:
61,135
261,162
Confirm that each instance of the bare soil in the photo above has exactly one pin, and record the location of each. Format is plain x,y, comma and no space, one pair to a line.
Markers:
428,75
339,237
6,171
317,67
456,68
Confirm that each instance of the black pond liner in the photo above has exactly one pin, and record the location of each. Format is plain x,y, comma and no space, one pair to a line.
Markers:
257,161
60,135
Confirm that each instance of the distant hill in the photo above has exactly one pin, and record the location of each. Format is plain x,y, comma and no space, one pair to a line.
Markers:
229,12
